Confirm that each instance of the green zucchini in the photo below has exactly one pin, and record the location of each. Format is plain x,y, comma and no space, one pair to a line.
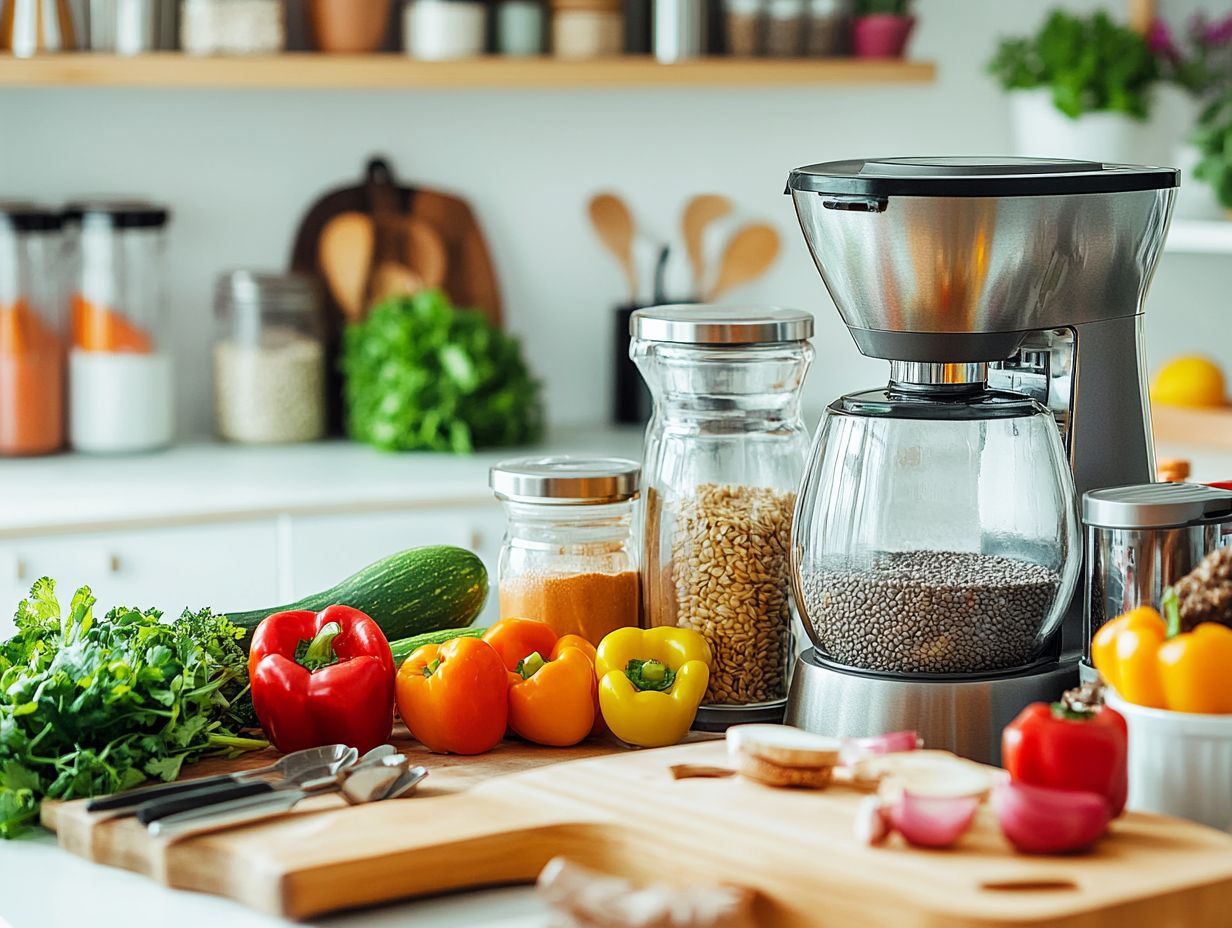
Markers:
409,593
405,647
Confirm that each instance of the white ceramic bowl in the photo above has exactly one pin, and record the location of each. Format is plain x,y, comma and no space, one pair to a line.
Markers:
1180,763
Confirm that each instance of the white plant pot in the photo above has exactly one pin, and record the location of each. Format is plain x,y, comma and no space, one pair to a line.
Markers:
1042,131
1195,200
1179,763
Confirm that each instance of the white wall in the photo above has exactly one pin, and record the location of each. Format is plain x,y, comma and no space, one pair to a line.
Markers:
239,168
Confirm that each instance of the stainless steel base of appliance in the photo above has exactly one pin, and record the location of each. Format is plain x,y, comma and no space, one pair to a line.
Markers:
962,714
721,718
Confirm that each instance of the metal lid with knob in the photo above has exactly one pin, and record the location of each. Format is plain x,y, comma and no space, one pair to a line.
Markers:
701,324
565,480
1156,505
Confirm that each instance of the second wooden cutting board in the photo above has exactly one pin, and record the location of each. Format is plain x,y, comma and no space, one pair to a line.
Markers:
625,814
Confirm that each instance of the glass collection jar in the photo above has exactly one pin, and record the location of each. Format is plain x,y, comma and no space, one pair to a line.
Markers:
725,449
937,531
584,29
744,22
440,30
519,27
31,350
569,557
785,28
269,359
120,381
233,27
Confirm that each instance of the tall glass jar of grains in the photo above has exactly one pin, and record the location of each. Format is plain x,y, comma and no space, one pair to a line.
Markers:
725,451
569,558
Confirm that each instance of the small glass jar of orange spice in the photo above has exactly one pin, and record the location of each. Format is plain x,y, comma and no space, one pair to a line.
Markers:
569,557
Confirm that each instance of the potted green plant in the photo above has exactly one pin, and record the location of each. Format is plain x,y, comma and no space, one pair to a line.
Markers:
1081,88
1197,64
1213,140
881,28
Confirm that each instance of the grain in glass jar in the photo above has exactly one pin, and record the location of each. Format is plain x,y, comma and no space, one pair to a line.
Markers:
569,557
724,453
269,359
587,28
233,27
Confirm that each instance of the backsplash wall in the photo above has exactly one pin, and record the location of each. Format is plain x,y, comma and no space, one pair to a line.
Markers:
239,169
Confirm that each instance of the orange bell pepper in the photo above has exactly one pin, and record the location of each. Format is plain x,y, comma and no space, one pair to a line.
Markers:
454,697
1125,651
553,693
514,639
584,645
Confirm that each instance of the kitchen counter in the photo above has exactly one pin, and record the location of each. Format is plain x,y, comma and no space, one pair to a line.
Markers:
211,481
45,887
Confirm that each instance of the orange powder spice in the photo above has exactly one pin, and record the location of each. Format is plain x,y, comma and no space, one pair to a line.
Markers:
31,383
590,605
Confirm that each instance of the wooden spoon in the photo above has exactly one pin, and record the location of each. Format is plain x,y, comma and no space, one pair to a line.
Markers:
614,223
393,279
344,253
749,254
426,254
699,212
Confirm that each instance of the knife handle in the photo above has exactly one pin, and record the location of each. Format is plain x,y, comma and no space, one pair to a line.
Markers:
128,800
199,798
225,815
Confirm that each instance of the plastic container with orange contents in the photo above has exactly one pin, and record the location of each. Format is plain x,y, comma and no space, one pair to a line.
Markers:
121,396
31,350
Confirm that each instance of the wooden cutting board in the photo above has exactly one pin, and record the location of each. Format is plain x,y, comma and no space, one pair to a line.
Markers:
624,813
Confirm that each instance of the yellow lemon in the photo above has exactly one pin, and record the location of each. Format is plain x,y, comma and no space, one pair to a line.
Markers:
1189,381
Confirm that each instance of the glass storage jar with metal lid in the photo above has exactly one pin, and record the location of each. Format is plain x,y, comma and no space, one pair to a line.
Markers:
569,557
120,381
269,359
233,27
936,532
724,452
31,321
1141,539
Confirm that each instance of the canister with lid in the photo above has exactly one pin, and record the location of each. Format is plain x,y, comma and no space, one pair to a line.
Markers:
31,319
1141,539
724,453
569,557
269,359
120,381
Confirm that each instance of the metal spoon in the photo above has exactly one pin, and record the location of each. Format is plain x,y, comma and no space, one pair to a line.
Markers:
287,766
385,778
214,795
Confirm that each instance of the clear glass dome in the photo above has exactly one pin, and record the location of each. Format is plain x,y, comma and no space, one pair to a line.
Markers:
935,532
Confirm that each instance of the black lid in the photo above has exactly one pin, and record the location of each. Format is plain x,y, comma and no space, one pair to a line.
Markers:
121,214
28,217
977,177
963,405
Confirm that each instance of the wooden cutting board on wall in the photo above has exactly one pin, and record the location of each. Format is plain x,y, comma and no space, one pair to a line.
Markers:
623,813
470,279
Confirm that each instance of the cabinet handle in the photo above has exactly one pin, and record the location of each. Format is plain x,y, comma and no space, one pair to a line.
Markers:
111,563
19,569
476,539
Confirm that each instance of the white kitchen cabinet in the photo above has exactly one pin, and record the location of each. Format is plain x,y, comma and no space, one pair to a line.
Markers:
319,551
226,566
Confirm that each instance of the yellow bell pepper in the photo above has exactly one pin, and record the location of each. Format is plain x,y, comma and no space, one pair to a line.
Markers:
1197,670
1147,666
651,682
1125,651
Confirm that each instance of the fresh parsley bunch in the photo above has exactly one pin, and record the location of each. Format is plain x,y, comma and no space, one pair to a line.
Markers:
90,706
424,376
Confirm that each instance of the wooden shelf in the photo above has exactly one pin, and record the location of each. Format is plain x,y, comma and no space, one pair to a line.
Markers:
1200,236
395,72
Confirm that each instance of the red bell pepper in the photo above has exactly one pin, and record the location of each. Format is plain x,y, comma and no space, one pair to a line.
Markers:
340,690
1069,749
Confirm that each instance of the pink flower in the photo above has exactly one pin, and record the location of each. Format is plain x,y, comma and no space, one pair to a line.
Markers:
1219,32
1159,40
